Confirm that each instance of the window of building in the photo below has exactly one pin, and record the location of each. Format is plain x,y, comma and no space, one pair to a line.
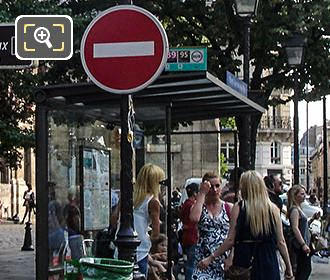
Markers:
302,171
275,153
274,116
228,150
4,174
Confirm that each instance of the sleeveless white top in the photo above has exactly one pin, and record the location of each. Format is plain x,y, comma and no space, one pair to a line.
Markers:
141,225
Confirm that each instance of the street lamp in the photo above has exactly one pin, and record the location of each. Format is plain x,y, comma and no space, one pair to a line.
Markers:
295,50
245,10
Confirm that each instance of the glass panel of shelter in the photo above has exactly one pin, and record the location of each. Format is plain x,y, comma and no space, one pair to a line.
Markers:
77,156
83,164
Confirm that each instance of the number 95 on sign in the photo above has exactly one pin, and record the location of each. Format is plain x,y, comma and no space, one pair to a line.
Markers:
186,59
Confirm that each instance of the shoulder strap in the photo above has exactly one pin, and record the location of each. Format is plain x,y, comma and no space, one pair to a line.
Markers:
292,208
227,208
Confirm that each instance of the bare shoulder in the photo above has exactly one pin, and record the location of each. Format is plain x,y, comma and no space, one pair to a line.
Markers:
154,204
231,205
294,212
235,208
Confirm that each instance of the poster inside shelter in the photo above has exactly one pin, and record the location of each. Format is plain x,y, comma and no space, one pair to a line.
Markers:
96,188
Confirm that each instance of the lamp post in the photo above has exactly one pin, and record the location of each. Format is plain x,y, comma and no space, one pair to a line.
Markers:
295,49
325,158
246,10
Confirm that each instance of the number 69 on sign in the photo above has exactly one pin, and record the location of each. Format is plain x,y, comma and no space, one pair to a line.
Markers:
186,59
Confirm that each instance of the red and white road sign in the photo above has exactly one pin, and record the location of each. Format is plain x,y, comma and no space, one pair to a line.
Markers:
124,49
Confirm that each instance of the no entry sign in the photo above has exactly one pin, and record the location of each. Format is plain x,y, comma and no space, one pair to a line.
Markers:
124,49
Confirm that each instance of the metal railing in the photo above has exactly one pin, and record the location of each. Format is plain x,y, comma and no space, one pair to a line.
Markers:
270,122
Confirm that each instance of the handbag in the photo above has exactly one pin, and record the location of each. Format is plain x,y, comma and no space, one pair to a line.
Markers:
318,243
238,273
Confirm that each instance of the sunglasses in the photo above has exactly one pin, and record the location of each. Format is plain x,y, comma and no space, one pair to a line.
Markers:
215,186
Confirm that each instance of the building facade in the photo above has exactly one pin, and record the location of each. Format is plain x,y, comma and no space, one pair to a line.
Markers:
316,162
314,135
13,185
192,154
274,142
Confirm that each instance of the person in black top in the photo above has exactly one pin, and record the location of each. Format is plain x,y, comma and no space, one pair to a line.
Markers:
255,232
29,203
274,188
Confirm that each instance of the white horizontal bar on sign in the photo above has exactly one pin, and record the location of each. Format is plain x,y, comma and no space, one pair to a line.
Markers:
125,49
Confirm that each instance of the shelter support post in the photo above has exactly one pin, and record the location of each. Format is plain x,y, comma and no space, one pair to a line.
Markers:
139,156
307,152
42,192
236,166
169,191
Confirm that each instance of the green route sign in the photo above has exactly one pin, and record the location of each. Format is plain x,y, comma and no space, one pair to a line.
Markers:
186,59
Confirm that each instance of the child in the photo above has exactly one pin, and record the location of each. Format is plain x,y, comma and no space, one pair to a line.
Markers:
158,259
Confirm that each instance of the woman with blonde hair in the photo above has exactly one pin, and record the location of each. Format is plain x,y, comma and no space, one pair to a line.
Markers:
255,232
300,236
146,210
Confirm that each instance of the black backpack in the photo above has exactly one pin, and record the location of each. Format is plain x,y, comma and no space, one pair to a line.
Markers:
104,243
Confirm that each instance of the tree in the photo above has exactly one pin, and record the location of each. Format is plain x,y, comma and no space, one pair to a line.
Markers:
187,23
17,86
192,23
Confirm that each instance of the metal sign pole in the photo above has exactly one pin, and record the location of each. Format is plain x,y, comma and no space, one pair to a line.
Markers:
127,239
325,158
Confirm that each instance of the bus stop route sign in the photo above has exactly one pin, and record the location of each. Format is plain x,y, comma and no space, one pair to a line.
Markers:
187,59
124,49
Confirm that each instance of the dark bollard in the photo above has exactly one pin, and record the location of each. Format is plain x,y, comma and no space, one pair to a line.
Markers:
27,246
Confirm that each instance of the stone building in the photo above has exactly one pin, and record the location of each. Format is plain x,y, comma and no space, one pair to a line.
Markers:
314,139
192,154
316,160
274,142
13,185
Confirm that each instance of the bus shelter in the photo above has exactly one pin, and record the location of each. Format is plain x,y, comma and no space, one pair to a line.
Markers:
78,134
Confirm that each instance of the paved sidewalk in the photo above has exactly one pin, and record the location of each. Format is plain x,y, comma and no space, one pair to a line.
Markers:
321,271
14,263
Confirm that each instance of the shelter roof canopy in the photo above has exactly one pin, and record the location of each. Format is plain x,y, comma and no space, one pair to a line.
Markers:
193,96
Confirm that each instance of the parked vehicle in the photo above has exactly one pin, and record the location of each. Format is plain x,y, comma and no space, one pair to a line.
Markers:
184,195
307,208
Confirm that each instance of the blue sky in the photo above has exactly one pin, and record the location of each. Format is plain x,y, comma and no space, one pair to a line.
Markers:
315,114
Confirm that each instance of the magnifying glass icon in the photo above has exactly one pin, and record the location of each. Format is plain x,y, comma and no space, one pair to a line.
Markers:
41,35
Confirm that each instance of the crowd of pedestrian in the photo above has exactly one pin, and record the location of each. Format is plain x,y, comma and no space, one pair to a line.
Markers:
234,232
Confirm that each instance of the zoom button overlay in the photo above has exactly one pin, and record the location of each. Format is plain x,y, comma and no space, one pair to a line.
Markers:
46,37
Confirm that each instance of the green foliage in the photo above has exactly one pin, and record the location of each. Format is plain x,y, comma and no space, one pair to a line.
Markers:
223,165
18,86
191,23
228,123
188,23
